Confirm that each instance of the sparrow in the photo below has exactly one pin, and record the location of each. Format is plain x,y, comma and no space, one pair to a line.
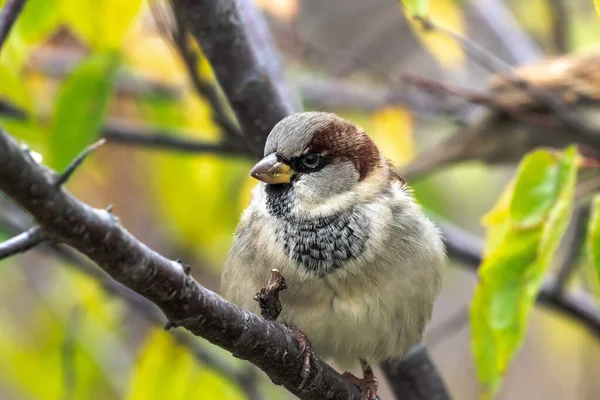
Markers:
361,260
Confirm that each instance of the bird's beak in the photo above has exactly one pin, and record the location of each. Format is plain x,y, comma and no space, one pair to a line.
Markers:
272,171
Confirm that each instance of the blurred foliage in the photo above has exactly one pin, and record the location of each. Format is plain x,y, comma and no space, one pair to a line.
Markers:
80,108
165,370
32,341
524,231
447,14
100,23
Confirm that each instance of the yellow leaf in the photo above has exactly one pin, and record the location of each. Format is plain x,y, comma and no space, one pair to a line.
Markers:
101,23
500,212
166,370
392,131
152,58
446,14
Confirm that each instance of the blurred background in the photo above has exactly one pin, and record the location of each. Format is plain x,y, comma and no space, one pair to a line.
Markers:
76,67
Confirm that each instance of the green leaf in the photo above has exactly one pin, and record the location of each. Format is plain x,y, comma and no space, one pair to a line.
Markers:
101,23
536,189
593,236
416,7
166,370
524,244
597,6
38,20
80,107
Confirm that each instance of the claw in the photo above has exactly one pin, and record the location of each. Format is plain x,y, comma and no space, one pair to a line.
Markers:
307,352
367,385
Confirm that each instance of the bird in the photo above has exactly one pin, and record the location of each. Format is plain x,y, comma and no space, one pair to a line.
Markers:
362,262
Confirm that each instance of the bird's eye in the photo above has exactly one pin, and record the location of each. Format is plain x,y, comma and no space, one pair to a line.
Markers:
311,160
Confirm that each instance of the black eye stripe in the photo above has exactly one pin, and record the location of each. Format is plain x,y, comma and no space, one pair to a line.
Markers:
309,162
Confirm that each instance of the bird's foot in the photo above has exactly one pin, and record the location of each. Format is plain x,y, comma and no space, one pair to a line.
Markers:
367,385
306,352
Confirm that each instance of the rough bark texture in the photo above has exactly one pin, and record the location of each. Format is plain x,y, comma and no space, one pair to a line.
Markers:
252,92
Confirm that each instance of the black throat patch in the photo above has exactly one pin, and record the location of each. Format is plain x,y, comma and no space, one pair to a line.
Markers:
320,245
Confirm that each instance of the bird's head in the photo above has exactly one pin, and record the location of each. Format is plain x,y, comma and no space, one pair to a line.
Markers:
320,163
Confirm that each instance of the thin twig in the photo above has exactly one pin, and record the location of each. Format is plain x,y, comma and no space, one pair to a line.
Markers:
22,242
560,25
478,97
574,241
8,15
506,30
150,138
68,172
253,93
205,89
490,61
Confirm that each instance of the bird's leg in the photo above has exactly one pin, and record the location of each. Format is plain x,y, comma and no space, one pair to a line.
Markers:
270,308
368,384
268,297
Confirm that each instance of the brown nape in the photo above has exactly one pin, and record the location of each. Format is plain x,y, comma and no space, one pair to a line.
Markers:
343,139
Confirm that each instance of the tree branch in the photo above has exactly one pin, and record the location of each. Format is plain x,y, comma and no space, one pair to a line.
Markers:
421,379
166,283
22,242
138,136
16,223
8,15
575,237
252,92
190,57
489,60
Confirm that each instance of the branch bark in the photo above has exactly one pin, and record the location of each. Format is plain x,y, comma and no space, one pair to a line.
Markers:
97,234
22,242
14,220
252,92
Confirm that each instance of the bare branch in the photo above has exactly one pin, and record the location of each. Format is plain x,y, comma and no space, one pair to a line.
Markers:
478,97
23,242
420,377
560,23
512,38
182,299
14,220
138,136
253,94
205,89
574,238
8,15
487,59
